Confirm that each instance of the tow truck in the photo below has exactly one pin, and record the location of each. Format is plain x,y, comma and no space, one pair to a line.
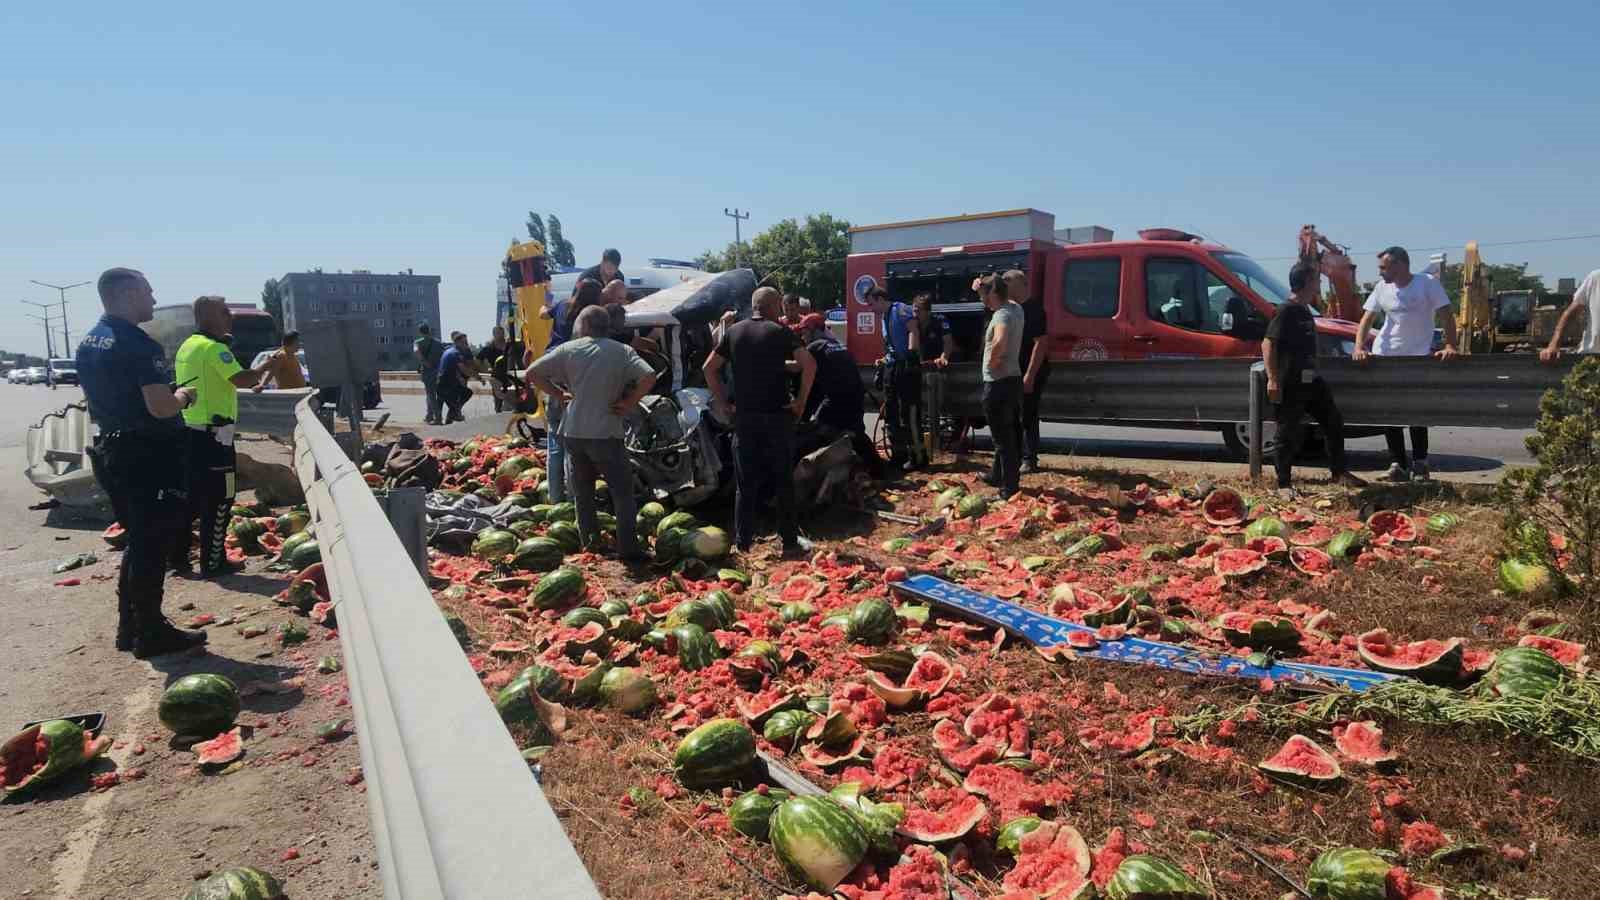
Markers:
1166,295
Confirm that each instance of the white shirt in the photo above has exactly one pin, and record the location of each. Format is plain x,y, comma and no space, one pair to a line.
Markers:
1407,316
1589,295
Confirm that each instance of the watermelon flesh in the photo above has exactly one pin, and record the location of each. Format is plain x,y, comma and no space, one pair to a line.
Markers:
1362,742
1311,561
1430,661
220,750
1237,563
45,751
1302,759
1397,525
1052,861
1223,507
951,814
1569,653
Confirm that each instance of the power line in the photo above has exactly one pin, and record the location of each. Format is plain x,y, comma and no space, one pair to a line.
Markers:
1516,243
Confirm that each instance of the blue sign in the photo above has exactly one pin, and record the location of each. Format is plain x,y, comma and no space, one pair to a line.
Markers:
1047,631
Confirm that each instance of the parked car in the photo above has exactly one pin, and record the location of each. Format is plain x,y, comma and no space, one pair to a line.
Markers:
33,375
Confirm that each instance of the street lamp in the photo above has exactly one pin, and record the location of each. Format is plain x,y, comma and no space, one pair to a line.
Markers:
61,292
49,343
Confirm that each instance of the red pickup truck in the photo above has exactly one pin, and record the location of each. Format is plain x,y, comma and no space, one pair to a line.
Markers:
1167,295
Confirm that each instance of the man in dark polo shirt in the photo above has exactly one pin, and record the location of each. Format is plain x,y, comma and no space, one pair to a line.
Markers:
763,414
604,272
838,396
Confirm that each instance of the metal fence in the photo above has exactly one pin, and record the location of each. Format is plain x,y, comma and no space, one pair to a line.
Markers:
1145,390
455,810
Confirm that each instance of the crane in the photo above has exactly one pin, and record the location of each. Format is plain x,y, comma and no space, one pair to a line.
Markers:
1333,261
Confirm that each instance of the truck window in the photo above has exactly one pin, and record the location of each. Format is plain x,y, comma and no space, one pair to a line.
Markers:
1092,288
1186,295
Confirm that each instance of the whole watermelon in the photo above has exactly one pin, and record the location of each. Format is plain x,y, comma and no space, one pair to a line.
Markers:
796,611
304,555
514,467
559,588
202,704
292,522
1524,672
751,814
293,542
871,621
540,512
715,754
669,544
238,883
493,544
539,554
649,516
627,690
1348,873
971,506
524,528
248,531
708,543
818,839
696,648
1142,875
683,520
1266,526
565,534
564,512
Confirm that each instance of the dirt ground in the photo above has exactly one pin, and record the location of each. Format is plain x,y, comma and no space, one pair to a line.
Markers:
144,821
1519,817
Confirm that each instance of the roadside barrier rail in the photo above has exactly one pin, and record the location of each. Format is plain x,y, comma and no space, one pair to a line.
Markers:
455,810
270,412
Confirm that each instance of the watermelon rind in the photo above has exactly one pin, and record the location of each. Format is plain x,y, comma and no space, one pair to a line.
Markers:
715,754
786,727
67,747
877,820
796,611
1013,830
1347,544
203,705
1348,873
818,839
1223,507
1443,666
1146,877
1314,766
238,883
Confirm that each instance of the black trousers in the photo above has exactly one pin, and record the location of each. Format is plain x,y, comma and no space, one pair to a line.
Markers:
211,469
1396,439
902,407
1030,417
454,395
1002,406
142,476
1299,400
763,465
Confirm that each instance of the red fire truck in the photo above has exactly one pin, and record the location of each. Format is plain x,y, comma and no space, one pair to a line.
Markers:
1166,295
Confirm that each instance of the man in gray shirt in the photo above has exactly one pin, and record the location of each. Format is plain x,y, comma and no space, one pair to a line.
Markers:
1002,381
599,381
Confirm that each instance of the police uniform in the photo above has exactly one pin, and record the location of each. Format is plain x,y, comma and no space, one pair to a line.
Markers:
138,460
902,401
208,366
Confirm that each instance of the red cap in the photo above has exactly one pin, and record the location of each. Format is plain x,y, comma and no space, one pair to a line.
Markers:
810,321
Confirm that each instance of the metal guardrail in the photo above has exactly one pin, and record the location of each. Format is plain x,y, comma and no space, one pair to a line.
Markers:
1480,391
455,810
1143,390
270,412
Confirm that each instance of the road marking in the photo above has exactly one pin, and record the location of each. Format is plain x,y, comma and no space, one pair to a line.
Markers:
71,867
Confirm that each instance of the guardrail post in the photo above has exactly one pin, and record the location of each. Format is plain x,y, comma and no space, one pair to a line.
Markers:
406,512
1258,388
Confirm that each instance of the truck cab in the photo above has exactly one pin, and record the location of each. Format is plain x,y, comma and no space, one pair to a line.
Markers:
1167,295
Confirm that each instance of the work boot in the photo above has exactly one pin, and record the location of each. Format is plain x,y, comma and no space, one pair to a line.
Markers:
1398,472
163,637
227,567
1419,469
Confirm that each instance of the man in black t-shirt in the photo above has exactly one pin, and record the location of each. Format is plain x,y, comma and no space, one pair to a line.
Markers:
1290,352
838,396
1035,364
492,359
603,273
764,416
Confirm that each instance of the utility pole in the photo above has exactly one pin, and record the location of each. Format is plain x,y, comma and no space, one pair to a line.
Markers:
49,341
737,217
61,292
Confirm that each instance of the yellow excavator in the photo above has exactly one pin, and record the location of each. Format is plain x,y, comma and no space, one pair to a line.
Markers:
528,278
1474,320
1491,321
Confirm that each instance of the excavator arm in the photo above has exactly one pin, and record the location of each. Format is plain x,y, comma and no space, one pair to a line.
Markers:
1475,321
1334,262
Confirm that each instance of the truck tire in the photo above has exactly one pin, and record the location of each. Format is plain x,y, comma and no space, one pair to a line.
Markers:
1237,437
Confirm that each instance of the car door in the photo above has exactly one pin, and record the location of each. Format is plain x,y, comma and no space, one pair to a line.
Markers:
1085,320
1188,311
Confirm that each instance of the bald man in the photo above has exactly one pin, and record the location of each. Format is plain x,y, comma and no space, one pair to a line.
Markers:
763,414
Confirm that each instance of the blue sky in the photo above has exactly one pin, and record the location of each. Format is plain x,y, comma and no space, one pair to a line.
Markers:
216,145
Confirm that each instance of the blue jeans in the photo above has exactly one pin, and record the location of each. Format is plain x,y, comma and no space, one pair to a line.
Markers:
555,451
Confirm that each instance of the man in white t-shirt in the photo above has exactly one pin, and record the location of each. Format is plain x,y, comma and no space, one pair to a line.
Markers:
1586,300
1410,304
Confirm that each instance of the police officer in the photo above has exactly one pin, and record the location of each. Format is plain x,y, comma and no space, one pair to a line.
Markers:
137,456
902,379
206,363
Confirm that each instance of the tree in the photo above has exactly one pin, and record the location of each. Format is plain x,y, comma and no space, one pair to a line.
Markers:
536,228
559,249
1502,277
802,258
272,301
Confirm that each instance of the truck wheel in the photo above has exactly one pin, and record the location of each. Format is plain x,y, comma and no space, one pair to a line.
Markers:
1237,436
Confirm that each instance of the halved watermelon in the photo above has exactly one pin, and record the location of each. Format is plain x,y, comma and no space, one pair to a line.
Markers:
1223,507
960,752
1397,525
1311,561
1302,760
1314,536
998,720
1259,632
1429,661
949,816
1362,742
1270,546
1237,563
1569,653
800,588
1053,860
927,678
